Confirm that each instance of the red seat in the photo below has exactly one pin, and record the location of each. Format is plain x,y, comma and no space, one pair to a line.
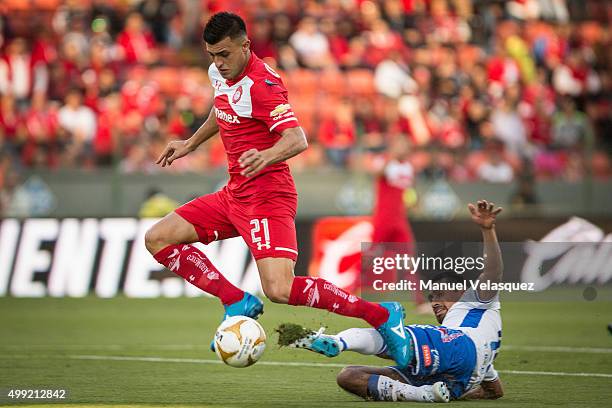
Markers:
361,82
168,80
303,81
333,82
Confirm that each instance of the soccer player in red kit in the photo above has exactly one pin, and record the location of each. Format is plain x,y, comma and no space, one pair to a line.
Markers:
394,174
259,131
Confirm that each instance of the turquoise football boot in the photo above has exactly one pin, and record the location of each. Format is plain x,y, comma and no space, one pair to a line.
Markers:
399,342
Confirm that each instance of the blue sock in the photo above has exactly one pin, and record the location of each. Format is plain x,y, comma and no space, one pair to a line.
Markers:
373,387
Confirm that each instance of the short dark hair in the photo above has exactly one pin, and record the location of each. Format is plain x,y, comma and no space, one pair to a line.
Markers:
223,25
447,277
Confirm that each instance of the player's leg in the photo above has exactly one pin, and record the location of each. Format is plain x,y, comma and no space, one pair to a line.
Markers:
280,286
354,379
388,384
360,340
272,241
169,242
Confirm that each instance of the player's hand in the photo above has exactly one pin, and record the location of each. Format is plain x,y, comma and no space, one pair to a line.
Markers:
252,162
174,150
484,213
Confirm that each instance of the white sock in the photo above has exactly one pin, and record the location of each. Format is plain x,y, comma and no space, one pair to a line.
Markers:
387,389
364,341
407,392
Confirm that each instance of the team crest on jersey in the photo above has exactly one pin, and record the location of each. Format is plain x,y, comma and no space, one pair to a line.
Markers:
447,335
237,95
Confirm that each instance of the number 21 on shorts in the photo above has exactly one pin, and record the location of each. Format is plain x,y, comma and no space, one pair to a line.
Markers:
260,233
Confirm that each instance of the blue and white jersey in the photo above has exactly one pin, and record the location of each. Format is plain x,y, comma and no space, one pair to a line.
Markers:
481,321
441,354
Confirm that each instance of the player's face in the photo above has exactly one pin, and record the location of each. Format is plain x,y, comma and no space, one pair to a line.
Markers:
441,302
230,56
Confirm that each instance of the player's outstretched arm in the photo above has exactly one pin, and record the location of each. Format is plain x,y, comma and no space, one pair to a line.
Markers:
292,142
179,148
484,214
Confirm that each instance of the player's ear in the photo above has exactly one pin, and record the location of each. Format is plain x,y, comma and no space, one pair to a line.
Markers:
246,45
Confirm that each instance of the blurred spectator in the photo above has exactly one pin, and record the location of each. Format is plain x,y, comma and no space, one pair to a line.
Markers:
156,205
337,134
158,15
40,124
79,124
137,41
392,76
338,43
571,128
495,169
287,58
20,74
450,75
109,130
380,41
260,34
508,126
502,70
575,78
310,44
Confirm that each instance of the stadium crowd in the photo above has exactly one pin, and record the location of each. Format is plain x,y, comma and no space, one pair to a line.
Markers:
484,90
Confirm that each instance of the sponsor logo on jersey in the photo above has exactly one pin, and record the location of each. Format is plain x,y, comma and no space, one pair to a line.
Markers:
226,117
237,95
280,110
436,361
426,355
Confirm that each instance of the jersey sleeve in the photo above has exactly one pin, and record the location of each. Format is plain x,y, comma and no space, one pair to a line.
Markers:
470,296
271,105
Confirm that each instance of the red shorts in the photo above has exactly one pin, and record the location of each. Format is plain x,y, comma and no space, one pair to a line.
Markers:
267,226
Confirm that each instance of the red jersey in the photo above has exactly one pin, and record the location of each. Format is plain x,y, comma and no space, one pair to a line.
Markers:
390,187
252,111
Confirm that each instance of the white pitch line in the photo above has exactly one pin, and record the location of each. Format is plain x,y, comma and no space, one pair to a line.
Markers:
199,361
301,364
545,349
555,373
559,349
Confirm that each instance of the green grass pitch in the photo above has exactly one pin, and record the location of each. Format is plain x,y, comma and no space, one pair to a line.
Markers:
88,346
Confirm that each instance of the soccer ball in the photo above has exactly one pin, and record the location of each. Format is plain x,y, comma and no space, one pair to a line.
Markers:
240,341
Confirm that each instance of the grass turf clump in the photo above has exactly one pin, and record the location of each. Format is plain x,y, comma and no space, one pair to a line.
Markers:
289,333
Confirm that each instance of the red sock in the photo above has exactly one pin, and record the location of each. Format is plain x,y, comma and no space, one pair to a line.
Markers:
192,265
319,293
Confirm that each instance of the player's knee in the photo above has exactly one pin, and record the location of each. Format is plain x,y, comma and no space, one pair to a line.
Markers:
346,377
154,240
277,293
